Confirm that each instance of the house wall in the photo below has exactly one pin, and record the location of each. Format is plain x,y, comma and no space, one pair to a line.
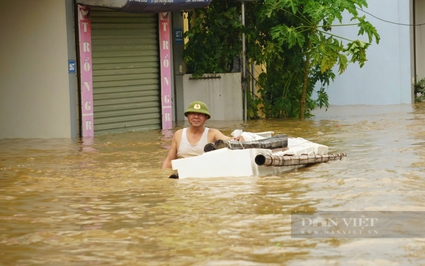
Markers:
222,95
386,78
179,22
35,85
420,38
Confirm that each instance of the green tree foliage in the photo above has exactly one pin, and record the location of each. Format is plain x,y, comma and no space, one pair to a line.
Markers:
214,38
291,39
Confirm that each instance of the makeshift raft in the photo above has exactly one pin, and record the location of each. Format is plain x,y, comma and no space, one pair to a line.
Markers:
261,154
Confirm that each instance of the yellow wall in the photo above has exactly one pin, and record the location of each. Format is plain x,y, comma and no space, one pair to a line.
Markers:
34,82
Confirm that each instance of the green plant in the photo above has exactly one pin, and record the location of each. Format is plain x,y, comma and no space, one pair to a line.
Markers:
214,38
419,87
311,32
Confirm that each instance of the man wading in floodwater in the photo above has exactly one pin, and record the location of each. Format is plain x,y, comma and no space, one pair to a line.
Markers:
190,141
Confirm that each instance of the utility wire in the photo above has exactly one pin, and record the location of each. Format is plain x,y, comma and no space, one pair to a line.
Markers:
391,22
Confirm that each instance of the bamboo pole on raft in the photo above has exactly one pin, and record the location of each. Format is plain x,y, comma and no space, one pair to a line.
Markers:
287,160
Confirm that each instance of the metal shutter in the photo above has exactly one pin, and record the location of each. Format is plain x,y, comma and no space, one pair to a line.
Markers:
126,94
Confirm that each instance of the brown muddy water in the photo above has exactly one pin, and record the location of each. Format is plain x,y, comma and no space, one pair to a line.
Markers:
106,201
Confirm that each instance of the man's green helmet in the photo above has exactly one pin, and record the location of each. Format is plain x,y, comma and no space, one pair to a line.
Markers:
198,107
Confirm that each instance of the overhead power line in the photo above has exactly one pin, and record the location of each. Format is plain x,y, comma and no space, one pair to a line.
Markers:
391,22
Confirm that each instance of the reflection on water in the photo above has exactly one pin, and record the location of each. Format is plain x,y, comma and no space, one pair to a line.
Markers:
105,201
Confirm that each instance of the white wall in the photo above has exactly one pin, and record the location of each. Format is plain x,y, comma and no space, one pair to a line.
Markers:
34,80
420,39
223,96
386,78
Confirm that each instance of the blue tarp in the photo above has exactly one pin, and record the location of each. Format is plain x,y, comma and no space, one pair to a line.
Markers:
157,6
147,6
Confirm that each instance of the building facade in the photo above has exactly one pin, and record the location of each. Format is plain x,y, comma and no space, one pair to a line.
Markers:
66,64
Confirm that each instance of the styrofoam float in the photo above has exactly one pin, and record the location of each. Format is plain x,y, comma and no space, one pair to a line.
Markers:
252,162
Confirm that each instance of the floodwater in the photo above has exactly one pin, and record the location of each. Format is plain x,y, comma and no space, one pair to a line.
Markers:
106,202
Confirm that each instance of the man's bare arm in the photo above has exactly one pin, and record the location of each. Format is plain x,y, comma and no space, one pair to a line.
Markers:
172,154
